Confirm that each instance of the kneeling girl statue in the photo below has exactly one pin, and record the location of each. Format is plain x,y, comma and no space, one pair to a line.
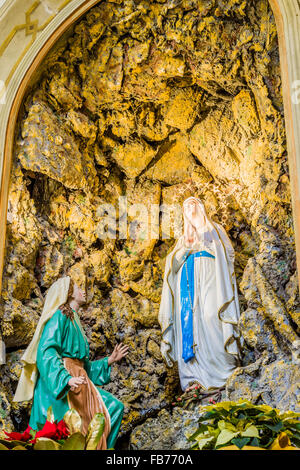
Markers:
199,307
57,371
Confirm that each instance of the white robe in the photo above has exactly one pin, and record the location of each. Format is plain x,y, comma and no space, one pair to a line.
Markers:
215,317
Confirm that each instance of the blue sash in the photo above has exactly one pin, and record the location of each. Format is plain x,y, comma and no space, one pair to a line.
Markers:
186,308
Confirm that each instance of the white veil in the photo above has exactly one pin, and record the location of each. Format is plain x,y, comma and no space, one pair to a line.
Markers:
56,296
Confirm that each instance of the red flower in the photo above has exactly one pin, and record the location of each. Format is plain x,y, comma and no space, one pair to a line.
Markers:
62,430
55,431
18,436
195,395
48,430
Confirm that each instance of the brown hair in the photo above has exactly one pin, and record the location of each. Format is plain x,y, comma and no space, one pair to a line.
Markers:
65,308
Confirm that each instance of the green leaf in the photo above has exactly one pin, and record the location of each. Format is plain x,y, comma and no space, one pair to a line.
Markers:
226,425
50,415
295,442
202,428
61,441
213,431
252,412
255,442
195,446
292,433
240,442
268,414
32,433
95,431
19,448
203,442
275,427
2,447
213,411
251,431
207,416
293,426
73,421
225,436
11,444
266,443
43,443
74,442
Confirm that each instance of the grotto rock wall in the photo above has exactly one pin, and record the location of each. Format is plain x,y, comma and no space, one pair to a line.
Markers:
155,101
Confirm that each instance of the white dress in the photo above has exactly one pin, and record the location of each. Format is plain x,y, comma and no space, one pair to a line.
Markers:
212,365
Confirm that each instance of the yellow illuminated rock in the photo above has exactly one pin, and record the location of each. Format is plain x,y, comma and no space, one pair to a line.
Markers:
176,163
133,157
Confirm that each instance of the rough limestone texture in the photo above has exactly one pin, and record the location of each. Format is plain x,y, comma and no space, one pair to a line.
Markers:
169,430
155,101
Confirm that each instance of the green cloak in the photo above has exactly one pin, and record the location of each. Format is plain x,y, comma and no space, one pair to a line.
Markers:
63,337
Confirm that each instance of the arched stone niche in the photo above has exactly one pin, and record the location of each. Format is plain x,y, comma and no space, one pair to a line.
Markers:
19,63
22,70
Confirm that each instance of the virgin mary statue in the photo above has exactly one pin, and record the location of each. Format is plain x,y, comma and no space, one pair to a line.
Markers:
199,307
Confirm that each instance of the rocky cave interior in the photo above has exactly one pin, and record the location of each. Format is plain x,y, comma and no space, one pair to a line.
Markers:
155,101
